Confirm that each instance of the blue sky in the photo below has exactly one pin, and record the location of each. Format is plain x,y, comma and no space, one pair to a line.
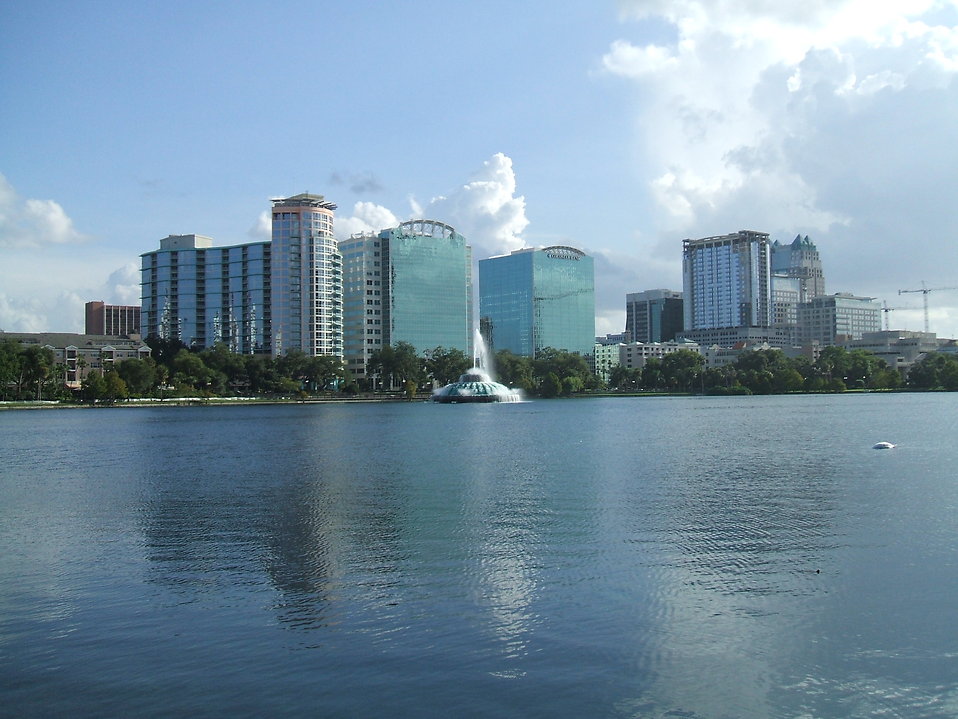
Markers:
617,128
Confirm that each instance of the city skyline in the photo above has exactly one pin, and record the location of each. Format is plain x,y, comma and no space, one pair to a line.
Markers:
620,129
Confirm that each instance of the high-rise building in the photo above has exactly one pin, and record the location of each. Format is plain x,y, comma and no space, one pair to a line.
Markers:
727,289
306,282
411,283
203,295
800,259
786,292
114,320
653,315
539,298
838,318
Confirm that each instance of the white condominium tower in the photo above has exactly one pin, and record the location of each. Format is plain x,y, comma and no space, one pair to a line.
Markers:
307,280
727,287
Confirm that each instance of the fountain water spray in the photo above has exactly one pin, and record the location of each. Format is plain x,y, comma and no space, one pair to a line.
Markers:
477,384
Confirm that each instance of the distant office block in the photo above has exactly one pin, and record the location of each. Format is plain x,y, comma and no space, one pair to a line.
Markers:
653,315
115,320
800,260
539,298
838,318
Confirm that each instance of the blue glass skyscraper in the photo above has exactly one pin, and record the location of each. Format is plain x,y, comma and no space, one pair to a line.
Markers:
532,299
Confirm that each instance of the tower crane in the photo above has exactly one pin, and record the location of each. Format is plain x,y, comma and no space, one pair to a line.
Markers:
924,295
886,309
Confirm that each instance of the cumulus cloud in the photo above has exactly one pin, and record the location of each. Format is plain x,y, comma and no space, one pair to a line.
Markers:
45,280
123,285
366,217
833,119
262,229
31,222
485,210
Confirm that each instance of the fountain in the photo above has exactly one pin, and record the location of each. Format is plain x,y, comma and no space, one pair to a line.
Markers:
477,384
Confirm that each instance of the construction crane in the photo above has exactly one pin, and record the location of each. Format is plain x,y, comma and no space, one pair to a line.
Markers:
924,295
886,309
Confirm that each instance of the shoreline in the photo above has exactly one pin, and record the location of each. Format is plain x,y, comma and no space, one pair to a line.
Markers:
370,399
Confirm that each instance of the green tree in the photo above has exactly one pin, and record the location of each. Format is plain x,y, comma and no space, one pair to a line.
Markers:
562,364
933,371
550,386
262,375
787,379
138,374
652,375
681,369
9,366
396,364
229,368
625,378
832,362
323,371
514,370
37,363
114,387
164,351
445,366
93,387
189,371
862,366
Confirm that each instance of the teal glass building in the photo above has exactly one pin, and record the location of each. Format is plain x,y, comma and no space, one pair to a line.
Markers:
532,299
411,283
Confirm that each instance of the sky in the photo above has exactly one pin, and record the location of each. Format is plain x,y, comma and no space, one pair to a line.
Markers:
619,128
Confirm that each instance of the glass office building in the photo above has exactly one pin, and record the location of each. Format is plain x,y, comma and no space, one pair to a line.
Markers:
306,282
532,299
653,315
838,318
411,283
203,295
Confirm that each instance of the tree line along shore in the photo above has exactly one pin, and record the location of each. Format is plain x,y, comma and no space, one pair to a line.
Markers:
31,374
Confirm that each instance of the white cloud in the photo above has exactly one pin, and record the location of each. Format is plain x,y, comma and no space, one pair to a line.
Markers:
31,222
367,217
123,286
262,229
485,210
22,315
45,278
832,118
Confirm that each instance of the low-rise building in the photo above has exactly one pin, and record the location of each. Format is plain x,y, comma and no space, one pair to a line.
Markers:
899,348
78,355
634,355
605,354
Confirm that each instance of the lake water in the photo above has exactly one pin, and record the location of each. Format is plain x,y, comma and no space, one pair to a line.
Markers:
649,557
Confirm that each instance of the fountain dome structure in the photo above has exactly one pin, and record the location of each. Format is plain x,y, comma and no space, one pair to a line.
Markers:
475,386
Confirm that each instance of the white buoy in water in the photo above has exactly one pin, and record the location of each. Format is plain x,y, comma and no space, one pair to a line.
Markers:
884,445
